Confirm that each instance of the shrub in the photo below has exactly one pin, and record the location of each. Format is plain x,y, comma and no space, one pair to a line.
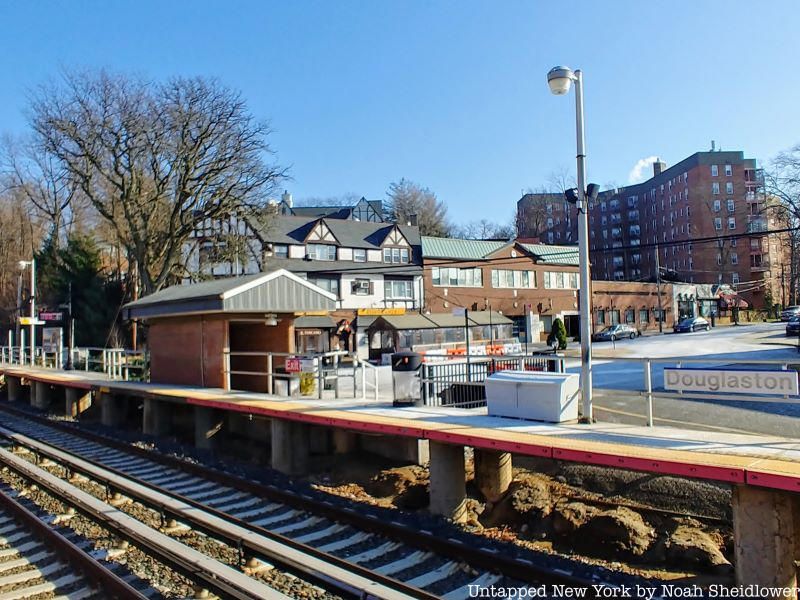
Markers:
558,333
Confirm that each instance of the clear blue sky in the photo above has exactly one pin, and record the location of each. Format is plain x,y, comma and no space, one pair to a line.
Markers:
450,94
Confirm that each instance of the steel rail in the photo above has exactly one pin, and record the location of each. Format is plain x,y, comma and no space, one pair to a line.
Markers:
344,577
109,582
191,563
519,569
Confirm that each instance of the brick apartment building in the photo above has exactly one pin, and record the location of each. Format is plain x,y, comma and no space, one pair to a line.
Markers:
707,217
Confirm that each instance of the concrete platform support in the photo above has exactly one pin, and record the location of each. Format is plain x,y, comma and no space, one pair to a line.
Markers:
43,395
208,423
448,490
290,447
112,409
76,401
401,449
492,473
13,388
765,544
344,442
156,417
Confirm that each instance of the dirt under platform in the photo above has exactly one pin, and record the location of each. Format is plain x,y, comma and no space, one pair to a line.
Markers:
630,521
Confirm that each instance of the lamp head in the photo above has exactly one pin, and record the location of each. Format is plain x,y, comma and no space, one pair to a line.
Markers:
591,191
571,195
560,79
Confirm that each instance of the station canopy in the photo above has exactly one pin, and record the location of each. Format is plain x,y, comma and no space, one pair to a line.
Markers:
439,320
275,292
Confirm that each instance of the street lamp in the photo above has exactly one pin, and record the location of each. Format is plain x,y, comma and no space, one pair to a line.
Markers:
560,79
32,264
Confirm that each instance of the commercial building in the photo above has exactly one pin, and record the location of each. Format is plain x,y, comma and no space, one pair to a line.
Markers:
706,219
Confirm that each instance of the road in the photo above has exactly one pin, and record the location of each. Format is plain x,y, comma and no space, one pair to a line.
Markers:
618,383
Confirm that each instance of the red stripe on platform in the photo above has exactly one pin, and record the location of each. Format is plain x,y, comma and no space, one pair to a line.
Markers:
773,480
485,443
731,475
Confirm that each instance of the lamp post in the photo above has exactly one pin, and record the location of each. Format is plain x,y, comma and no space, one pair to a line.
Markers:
560,79
32,264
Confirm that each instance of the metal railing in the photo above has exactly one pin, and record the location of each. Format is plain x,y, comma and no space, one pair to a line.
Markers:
328,370
366,366
649,393
460,383
114,363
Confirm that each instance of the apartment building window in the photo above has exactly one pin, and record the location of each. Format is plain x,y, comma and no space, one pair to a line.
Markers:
755,243
362,287
733,242
734,279
509,278
685,177
615,317
549,208
644,315
715,188
731,205
395,255
719,258
359,255
714,170
717,205
734,258
728,170
398,289
601,316
549,223
321,251
558,280
329,284
454,277
630,316
603,206
280,250
718,224
550,237
604,220
731,222
729,187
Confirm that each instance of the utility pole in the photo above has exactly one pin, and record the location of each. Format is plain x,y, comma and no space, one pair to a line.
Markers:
658,286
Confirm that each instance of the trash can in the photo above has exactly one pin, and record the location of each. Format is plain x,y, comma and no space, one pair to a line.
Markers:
405,378
540,396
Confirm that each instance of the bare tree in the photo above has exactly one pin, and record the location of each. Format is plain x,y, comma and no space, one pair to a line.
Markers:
782,190
409,200
484,229
156,160
42,181
345,200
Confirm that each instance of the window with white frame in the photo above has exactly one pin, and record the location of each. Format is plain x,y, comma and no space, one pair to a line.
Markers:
717,205
396,255
719,258
558,280
321,251
329,284
398,289
644,315
280,250
362,287
359,255
509,278
734,258
728,170
734,278
731,222
455,277
729,187
715,187
718,224
731,205
714,170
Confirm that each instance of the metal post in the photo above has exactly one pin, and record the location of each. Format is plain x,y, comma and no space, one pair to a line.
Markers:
321,377
33,311
466,338
658,288
363,381
583,249
270,382
648,382
336,376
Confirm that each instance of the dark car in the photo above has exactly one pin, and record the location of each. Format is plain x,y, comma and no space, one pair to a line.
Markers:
789,312
613,333
691,324
793,326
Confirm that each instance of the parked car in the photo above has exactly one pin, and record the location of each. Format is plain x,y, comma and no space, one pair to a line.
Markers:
613,333
793,326
789,312
691,324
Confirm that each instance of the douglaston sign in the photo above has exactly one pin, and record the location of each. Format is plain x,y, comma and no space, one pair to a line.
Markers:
732,381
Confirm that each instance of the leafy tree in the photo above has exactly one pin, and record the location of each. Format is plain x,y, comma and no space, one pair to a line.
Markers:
96,300
408,199
558,333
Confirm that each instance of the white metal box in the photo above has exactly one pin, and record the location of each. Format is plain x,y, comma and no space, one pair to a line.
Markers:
540,396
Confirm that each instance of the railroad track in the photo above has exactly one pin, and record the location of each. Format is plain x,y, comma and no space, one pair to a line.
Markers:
43,560
384,559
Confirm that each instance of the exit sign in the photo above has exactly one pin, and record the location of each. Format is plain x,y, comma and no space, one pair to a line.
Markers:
51,316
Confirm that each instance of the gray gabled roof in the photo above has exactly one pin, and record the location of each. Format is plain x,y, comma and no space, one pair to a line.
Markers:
278,291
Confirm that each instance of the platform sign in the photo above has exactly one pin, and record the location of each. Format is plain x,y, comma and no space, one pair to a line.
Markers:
295,364
51,316
52,339
732,381
27,321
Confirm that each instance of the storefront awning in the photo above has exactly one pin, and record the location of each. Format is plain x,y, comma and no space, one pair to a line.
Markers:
318,322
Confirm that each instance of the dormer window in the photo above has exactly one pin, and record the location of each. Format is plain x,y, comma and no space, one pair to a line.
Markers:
396,255
321,252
